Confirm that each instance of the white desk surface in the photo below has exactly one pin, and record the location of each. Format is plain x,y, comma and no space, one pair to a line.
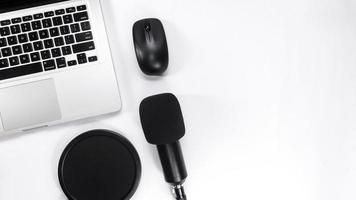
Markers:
268,92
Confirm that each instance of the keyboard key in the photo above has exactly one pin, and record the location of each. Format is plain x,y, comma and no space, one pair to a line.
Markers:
82,58
49,65
87,46
72,62
16,50
20,71
26,27
49,14
80,37
80,16
61,62
64,30
56,52
69,39
92,58
70,10
81,7
4,63
68,19
36,25
3,42
38,16
38,45
5,22
16,20
33,36
35,56
45,54
6,52
57,21
44,34
4,31
15,29
85,26
48,43
54,32
27,47
12,40
47,23
23,38
24,59
74,28
59,41
60,12
27,18
14,61
66,50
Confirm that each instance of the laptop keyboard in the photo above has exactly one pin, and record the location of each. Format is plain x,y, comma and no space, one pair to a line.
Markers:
45,41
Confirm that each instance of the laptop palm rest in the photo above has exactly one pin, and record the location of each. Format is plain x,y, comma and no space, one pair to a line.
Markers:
29,104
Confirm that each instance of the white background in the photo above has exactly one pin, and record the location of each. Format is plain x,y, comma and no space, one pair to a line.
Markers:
268,92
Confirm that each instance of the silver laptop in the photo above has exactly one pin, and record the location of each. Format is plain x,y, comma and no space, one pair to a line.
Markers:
55,63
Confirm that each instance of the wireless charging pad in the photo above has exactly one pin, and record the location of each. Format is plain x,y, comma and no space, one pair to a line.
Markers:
97,165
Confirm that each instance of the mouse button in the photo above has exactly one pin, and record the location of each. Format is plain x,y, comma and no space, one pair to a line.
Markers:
139,38
147,26
138,34
159,37
157,26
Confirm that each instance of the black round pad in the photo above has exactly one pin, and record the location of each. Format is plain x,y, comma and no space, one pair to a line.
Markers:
99,165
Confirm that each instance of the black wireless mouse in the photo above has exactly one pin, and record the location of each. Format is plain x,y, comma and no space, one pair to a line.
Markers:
151,46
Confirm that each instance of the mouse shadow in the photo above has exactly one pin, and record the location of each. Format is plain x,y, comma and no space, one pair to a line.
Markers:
155,78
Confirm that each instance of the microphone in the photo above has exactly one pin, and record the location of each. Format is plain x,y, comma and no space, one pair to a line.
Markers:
163,125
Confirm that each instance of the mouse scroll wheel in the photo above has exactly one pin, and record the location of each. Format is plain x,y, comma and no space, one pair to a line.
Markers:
147,27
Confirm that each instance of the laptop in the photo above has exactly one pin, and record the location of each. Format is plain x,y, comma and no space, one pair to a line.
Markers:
55,64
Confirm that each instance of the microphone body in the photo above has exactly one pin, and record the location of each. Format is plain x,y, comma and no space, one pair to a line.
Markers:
173,164
163,125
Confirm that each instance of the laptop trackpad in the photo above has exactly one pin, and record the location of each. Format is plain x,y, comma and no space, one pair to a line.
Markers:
29,104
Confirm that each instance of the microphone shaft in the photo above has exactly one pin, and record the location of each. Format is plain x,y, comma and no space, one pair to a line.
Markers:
172,162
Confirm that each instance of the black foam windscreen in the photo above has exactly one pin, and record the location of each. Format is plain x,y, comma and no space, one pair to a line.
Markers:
162,119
